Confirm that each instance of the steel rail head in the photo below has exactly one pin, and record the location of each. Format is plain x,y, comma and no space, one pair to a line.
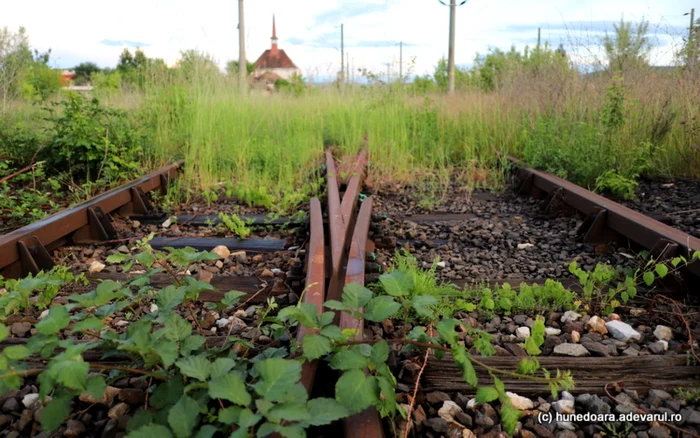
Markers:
63,223
352,191
336,223
367,423
637,227
314,292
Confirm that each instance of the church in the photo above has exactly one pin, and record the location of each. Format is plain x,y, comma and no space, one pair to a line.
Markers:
274,63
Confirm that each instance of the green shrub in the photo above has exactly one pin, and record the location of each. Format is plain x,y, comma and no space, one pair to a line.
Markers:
92,142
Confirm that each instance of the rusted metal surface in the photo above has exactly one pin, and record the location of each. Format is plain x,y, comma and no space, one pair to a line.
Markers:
58,228
315,289
352,191
603,213
367,423
336,224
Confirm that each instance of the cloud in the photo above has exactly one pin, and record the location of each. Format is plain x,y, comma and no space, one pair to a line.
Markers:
379,43
600,26
347,11
120,43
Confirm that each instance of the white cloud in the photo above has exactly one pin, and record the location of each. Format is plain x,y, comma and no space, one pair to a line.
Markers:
309,30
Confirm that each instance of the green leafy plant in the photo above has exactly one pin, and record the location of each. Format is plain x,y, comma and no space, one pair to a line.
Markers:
235,224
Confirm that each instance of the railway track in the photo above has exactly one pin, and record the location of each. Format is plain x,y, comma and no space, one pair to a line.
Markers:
336,247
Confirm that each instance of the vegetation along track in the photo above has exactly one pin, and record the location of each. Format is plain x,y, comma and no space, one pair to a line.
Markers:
223,320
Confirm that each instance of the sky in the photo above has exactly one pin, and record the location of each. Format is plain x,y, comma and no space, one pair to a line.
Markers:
309,30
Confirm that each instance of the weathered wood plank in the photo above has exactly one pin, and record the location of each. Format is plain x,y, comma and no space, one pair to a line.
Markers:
590,373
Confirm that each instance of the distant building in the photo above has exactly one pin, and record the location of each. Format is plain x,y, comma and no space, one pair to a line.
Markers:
67,77
274,63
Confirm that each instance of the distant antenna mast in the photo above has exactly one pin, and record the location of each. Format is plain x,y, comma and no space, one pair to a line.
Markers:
451,54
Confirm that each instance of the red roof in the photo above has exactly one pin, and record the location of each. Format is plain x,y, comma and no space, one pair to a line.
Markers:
272,58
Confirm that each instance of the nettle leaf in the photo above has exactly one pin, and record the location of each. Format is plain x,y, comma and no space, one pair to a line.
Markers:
168,352
167,393
306,314
486,394
17,352
461,358
661,270
232,297
334,305
349,359
356,391
277,377
332,331
168,298
380,352
191,343
206,431
289,412
230,387
380,308
117,258
316,346
422,305
91,323
105,292
184,416
356,296
509,415
57,319
325,411
95,386
54,413
397,283
528,365
446,329
326,318
221,367
177,328
293,431
194,366
648,278
151,431
4,333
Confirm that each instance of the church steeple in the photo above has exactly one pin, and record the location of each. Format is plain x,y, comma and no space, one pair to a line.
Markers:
274,35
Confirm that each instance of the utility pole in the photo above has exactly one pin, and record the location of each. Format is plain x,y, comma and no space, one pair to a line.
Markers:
538,38
347,67
342,57
451,55
691,41
401,61
242,64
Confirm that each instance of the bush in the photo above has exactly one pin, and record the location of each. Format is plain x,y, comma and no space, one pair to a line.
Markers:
92,142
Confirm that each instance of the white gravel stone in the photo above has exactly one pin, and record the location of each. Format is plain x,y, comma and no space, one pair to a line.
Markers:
575,350
519,402
167,223
224,322
596,325
570,315
153,308
663,333
96,267
30,400
221,251
522,332
525,245
448,410
44,314
551,331
622,331
564,406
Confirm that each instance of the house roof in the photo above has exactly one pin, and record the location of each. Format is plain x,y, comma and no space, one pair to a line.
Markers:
272,58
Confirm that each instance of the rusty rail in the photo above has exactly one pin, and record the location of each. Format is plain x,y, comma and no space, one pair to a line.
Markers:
604,215
315,288
27,249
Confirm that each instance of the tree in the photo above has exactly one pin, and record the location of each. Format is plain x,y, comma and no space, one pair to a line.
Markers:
84,72
232,67
15,59
689,54
628,47
41,81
